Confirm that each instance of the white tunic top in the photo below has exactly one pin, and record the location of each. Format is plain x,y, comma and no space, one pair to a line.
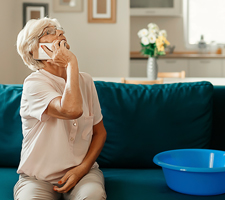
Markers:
52,146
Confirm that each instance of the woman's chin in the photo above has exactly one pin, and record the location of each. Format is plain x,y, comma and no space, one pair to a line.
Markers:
67,46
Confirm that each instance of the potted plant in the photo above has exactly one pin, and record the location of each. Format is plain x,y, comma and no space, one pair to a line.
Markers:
153,43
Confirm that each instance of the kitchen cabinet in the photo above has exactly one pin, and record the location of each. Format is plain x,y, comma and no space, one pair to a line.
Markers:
206,68
223,69
138,67
194,67
173,65
155,7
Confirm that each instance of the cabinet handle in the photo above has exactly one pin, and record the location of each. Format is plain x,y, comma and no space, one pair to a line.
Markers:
205,61
150,11
170,61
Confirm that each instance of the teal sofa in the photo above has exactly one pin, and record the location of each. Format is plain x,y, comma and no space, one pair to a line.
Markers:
141,121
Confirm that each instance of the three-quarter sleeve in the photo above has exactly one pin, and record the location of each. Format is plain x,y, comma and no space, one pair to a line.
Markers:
39,94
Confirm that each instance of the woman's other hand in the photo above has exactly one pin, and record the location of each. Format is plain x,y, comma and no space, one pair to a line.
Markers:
70,179
60,55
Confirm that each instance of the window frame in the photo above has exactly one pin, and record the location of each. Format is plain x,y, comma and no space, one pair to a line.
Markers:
186,26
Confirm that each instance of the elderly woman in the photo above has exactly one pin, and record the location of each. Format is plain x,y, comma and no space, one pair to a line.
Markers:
61,121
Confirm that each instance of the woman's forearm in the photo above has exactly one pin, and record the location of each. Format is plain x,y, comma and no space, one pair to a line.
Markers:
95,148
71,102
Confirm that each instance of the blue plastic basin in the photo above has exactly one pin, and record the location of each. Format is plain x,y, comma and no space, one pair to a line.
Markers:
193,171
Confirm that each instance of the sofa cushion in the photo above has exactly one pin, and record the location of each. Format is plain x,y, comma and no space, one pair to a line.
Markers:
10,125
143,120
144,184
9,177
122,184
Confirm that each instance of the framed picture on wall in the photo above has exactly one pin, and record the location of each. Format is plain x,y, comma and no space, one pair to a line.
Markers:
67,5
102,11
34,11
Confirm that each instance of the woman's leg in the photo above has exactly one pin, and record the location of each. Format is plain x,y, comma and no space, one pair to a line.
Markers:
90,187
28,188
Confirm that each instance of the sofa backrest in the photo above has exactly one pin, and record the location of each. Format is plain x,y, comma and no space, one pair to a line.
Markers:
10,125
140,120
143,120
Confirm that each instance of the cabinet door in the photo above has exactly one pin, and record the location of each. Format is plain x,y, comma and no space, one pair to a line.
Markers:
205,68
151,3
223,68
173,65
155,7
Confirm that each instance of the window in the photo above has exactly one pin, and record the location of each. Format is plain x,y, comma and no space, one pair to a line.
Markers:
207,18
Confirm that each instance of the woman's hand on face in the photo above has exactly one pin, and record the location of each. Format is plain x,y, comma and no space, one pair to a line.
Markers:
70,179
60,55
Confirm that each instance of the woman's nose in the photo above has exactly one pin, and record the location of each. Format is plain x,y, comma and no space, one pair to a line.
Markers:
59,32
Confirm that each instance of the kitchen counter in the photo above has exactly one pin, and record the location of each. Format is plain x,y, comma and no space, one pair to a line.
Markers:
138,55
214,81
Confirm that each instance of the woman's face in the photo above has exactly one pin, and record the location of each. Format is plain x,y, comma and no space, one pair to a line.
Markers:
51,33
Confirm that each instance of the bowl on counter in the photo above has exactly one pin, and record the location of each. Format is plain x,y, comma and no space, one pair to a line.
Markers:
193,171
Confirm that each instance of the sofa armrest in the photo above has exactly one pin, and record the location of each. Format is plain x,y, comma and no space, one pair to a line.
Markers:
218,128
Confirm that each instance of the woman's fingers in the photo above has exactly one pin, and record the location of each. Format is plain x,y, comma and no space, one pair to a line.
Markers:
59,43
69,184
64,179
63,43
56,44
60,54
50,61
47,50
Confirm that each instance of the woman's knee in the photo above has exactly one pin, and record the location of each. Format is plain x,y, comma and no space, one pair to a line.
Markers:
91,193
97,194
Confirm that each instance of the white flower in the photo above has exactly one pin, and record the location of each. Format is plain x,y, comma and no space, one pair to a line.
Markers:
142,33
144,40
152,38
153,32
163,33
153,27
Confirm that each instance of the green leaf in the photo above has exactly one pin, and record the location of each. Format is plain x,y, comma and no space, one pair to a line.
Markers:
143,51
149,50
153,45
161,53
152,49
144,45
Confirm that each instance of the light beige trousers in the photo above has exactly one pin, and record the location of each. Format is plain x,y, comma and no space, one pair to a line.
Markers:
90,187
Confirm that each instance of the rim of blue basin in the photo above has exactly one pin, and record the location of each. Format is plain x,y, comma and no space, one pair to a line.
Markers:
189,169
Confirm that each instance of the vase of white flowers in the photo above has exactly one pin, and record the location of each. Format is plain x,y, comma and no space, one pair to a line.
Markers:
153,43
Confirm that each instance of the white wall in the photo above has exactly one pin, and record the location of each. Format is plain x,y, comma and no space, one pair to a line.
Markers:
7,44
101,49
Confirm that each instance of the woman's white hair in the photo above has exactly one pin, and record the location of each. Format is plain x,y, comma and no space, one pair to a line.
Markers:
27,40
